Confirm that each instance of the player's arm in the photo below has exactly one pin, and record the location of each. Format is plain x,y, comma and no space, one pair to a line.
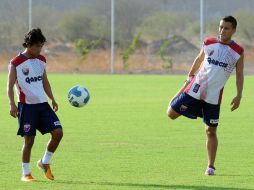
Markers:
48,91
197,63
239,83
194,68
10,84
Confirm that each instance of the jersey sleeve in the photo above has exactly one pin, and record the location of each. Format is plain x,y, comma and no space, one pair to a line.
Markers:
42,58
16,61
209,41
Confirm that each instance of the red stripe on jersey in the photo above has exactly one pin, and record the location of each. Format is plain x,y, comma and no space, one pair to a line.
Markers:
22,96
220,97
238,49
42,58
188,87
209,41
16,61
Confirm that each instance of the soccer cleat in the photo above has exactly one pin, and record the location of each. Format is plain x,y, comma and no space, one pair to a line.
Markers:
210,171
46,169
27,178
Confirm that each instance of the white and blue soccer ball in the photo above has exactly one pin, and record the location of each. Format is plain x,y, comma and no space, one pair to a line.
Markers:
78,96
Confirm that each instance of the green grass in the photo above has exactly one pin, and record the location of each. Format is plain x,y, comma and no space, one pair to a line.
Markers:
123,140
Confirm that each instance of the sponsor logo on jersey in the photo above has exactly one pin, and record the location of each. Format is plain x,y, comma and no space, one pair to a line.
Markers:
33,79
25,71
27,127
183,108
216,62
214,121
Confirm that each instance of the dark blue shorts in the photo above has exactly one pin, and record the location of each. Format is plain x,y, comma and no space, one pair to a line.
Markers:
36,116
190,107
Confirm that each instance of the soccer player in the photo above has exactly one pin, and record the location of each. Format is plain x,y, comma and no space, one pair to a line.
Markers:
201,94
27,72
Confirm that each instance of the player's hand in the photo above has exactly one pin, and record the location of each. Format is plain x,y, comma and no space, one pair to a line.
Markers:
14,110
54,105
235,102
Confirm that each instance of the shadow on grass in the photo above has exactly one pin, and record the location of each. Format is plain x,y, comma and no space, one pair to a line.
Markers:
234,175
148,186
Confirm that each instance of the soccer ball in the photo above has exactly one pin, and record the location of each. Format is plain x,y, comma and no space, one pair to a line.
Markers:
78,96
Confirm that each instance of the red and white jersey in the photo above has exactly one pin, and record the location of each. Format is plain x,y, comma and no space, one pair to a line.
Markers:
219,62
29,86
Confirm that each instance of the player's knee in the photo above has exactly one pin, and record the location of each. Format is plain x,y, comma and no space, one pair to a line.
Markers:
60,134
171,114
211,132
57,134
29,142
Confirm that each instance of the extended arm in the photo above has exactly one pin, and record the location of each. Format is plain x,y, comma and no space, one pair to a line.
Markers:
197,63
195,67
239,84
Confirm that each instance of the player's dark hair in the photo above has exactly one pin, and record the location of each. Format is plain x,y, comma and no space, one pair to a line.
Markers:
34,36
230,19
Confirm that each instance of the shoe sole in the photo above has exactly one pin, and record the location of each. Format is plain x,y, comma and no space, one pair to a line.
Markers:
25,180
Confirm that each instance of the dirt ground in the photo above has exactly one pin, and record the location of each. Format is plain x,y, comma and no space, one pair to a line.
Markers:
99,62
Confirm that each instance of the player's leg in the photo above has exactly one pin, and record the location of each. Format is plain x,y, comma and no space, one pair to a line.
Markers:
172,114
53,143
56,137
27,147
173,106
184,105
211,146
26,154
211,119
28,131
49,124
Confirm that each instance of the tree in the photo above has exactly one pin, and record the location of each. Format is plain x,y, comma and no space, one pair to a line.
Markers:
164,24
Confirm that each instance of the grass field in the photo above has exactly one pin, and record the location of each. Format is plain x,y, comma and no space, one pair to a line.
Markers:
123,140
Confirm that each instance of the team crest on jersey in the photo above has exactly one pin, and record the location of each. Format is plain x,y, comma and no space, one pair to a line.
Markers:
25,71
27,127
210,52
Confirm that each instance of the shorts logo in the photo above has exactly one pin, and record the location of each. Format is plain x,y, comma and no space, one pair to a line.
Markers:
25,71
196,88
27,127
57,123
183,108
214,121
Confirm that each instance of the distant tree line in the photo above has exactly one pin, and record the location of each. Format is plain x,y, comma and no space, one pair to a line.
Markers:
92,22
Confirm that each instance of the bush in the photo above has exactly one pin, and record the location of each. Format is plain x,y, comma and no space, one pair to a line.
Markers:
130,50
83,46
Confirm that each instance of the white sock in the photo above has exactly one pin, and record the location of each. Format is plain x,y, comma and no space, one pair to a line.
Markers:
47,157
25,167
